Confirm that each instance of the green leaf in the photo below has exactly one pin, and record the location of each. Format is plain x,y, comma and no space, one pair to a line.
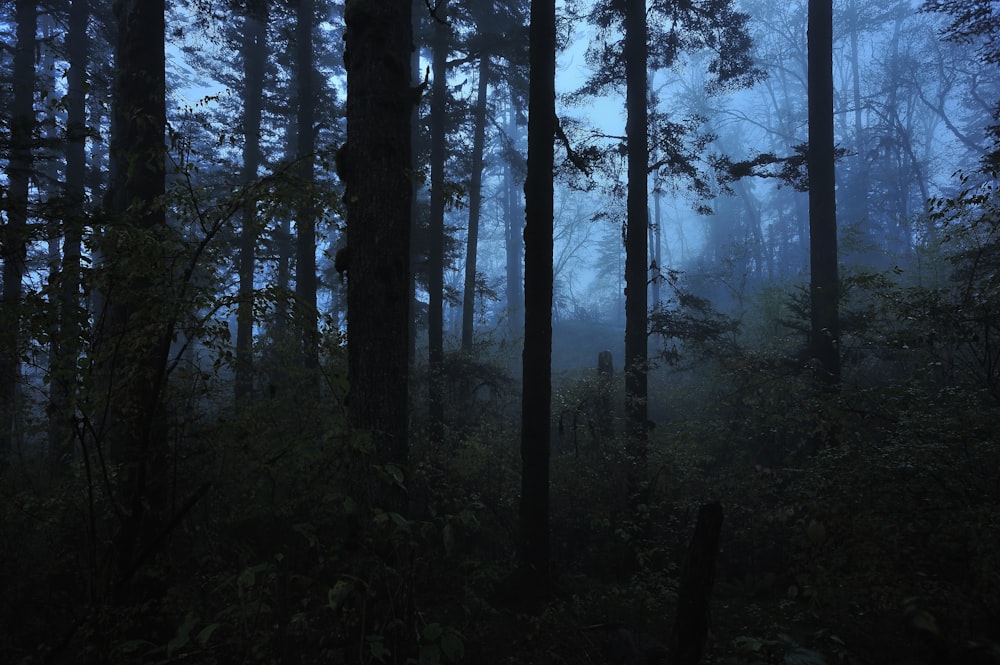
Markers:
432,632
395,473
336,596
183,635
205,634
377,647
399,520
925,621
453,646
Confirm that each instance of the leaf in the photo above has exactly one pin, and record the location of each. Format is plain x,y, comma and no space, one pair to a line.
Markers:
183,635
205,634
432,632
925,621
377,648
399,520
453,646
336,595
395,473
748,644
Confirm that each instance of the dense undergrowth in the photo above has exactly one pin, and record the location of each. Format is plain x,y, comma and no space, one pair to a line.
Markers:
862,525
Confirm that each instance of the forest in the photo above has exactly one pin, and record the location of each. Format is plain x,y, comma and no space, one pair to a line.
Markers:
621,332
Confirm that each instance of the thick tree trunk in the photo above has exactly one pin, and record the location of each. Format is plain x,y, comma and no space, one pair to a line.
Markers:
636,250
823,288
15,232
376,173
254,51
475,204
134,341
305,213
536,398
435,258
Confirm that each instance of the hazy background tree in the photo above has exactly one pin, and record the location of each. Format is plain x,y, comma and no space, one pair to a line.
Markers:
823,286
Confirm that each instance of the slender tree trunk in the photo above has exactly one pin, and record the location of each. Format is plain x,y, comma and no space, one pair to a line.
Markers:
823,288
63,395
15,233
475,205
415,187
305,217
254,52
654,259
859,197
377,179
435,258
636,251
49,171
513,225
536,398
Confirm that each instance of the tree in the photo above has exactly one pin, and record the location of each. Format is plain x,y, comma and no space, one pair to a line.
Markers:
15,233
64,377
714,26
137,324
374,165
305,218
823,285
435,229
636,250
975,22
253,49
475,203
536,396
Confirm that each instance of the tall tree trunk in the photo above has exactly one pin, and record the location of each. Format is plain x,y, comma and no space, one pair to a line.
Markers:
475,205
254,52
54,195
435,230
536,397
64,376
823,287
376,174
636,251
513,227
305,214
134,342
15,233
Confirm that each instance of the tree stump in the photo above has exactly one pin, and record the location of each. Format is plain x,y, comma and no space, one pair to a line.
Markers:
687,643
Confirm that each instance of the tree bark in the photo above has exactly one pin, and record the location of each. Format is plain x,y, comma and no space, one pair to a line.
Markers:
636,250
536,398
513,227
305,213
435,258
134,341
475,204
254,52
687,642
376,172
64,378
823,287
15,233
